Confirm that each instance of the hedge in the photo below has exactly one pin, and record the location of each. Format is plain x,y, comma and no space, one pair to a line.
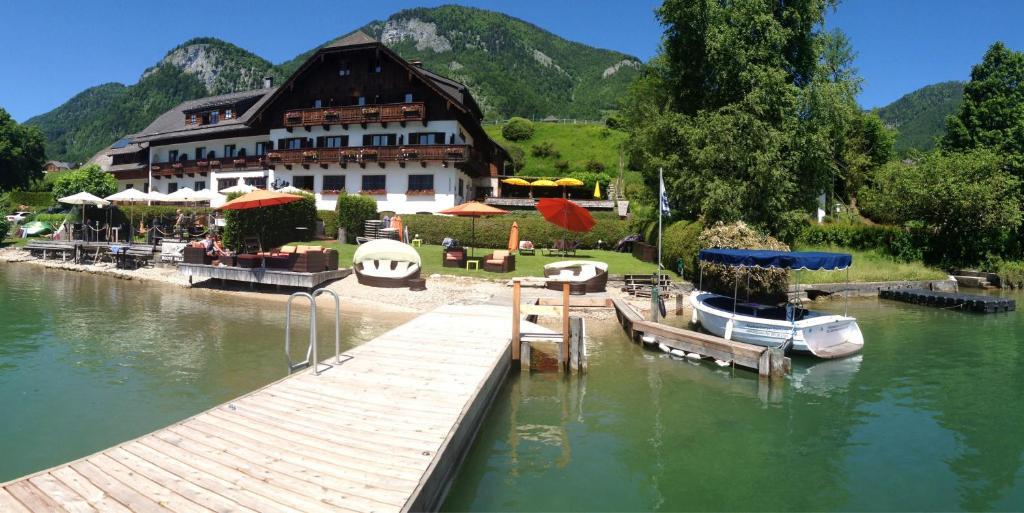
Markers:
353,211
680,242
32,199
900,243
492,232
273,225
53,219
330,219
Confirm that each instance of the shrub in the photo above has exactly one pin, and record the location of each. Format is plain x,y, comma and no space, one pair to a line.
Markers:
769,285
492,232
5,225
594,166
589,179
31,199
517,157
53,219
545,149
903,244
89,178
562,166
680,242
353,211
273,225
615,121
330,219
517,129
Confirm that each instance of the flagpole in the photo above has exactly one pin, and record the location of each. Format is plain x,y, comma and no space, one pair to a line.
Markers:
656,292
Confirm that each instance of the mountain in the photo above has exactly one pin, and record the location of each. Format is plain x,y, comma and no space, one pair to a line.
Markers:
920,117
513,68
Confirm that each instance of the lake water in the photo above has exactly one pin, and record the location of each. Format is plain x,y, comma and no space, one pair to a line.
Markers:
929,417
87,362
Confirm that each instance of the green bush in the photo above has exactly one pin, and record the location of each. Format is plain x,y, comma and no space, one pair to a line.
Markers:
562,166
517,129
766,285
594,166
903,244
353,211
89,178
53,219
517,158
492,232
273,225
5,226
680,242
615,121
31,199
545,149
330,219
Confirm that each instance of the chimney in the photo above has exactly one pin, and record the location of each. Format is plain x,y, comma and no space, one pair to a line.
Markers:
268,82
418,64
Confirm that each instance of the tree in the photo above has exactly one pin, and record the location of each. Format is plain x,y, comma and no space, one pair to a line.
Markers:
89,179
517,129
22,153
966,202
991,114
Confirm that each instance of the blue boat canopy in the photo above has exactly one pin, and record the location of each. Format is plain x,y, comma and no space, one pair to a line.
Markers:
768,259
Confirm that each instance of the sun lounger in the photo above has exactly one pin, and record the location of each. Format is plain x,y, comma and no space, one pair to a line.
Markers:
594,275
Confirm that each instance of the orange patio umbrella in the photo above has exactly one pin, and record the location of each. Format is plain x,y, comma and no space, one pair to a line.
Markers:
259,198
473,209
565,213
396,223
513,237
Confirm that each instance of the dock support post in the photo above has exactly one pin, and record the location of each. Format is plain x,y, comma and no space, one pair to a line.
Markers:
778,369
577,353
565,324
516,292
764,364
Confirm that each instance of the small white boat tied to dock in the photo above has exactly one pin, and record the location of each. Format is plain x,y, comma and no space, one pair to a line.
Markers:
789,326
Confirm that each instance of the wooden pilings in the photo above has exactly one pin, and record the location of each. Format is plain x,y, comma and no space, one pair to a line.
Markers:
572,355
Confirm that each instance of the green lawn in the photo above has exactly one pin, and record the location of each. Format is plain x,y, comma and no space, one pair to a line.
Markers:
576,144
618,263
870,266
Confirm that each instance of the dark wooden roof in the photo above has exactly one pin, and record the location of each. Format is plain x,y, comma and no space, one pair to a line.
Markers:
171,124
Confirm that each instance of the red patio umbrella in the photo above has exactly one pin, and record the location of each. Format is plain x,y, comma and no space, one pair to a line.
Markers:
259,198
565,213
473,209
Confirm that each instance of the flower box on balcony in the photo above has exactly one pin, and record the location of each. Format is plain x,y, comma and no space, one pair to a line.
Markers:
455,151
155,167
202,163
238,162
333,192
332,115
177,165
424,192
374,192
293,118
214,163
368,155
310,155
274,156
371,112
410,110
408,153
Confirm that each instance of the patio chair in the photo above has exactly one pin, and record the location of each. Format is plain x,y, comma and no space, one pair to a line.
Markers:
500,262
453,257
594,275
526,247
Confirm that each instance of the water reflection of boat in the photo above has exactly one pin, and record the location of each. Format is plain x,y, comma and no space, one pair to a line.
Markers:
802,330
823,377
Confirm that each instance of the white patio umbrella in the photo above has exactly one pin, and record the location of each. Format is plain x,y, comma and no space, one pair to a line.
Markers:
243,188
288,189
210,195
131,196
185,194
156,196
84,198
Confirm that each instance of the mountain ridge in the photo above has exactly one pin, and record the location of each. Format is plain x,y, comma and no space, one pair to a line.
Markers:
513,68
920,115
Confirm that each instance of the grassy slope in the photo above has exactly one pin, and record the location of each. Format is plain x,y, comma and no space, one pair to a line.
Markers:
870,266
618,263
576,143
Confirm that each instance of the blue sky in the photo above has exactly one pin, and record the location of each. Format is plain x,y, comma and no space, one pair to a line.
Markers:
55,49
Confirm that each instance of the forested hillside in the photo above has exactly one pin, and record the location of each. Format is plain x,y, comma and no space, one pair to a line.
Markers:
920,117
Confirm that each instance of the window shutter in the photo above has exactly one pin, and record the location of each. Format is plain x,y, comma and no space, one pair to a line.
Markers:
282,144
308,143
391,139
344,140
366,139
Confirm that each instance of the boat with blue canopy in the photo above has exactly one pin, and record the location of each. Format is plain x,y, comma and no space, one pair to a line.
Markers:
788,326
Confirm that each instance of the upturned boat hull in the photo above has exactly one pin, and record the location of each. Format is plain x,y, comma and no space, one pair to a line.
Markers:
825,336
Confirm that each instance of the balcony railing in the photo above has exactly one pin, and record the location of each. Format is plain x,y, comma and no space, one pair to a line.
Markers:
365,154
206,165
378,113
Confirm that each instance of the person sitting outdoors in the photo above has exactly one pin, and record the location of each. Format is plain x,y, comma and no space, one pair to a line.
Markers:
213,247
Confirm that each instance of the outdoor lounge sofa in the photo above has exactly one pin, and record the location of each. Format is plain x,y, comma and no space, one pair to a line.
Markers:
501,261
386,263
195,255
453,257
593,274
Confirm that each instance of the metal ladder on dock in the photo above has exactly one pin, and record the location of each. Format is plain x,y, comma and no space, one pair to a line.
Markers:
311,352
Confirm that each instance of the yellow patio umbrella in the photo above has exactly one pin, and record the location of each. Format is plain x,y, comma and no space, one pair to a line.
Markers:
515,181
543,183
568,182
597,190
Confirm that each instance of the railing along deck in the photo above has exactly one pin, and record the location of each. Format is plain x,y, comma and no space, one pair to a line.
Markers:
444,152
205,165
378,113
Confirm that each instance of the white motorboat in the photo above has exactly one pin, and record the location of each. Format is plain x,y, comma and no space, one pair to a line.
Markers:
788,326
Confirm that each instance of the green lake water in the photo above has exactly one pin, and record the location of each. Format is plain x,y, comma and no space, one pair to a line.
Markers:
87,362
930,417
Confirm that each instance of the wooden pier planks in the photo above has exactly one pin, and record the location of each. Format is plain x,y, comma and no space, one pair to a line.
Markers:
261,275
383,431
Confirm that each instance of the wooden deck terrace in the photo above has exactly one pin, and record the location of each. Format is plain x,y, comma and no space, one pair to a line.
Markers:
261,275
383,431
532,202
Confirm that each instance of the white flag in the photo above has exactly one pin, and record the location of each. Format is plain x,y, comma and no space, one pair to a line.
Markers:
664,196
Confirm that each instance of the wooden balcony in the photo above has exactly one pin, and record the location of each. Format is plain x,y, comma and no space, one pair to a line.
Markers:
369,154
202,167
356,114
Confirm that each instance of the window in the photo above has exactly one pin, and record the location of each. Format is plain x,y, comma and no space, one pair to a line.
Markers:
421,182
344,71
304,182
334,183
171,187
336,142
294,144
227,114
129,186
261,148
200,153
361,100
375,66
426,138
462,188
317,103
379,139
257,181
214,117
193,119
374,182
230,150
200,185
172,156
408,97
145,187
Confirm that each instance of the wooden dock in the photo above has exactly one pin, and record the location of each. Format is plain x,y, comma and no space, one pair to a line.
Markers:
951,300
261,275
383,431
